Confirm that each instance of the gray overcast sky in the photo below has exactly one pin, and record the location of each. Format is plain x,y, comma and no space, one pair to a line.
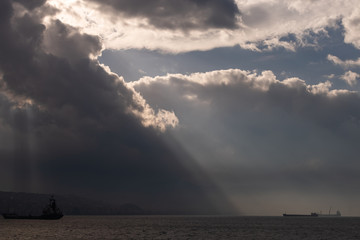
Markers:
241,107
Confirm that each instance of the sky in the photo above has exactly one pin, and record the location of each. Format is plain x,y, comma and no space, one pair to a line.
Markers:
205,106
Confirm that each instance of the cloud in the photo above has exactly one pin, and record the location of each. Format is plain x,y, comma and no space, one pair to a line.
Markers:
344,64
184,15
174,26
350,78
67,124
259,137
31,4
79,45
352,28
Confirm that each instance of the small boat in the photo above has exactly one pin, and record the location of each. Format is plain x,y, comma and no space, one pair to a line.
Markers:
50,212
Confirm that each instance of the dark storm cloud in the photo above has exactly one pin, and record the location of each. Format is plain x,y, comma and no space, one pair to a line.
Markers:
67,124
66,42
31,4
173,14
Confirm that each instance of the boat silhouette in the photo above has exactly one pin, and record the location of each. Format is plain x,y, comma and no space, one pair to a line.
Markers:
50,212
301,215
314,214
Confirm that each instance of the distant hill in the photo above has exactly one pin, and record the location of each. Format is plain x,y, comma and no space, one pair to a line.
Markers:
32,203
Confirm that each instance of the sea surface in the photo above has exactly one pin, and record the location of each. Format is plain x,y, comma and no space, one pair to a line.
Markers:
181,227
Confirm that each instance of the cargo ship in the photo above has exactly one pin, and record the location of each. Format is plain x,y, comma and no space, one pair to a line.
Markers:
50,212
301,215
314,214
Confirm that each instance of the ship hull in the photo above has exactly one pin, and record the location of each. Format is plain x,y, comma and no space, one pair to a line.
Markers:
329,216
300,215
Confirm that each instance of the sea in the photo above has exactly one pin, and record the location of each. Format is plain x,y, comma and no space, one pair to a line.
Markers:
181,227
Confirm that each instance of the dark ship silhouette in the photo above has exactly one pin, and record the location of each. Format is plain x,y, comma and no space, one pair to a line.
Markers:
314,214
301,215
50,212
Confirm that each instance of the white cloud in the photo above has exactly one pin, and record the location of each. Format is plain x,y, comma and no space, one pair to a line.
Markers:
236,77
350,77
345,64
330,76
294,82
352,26
160,119
321,88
